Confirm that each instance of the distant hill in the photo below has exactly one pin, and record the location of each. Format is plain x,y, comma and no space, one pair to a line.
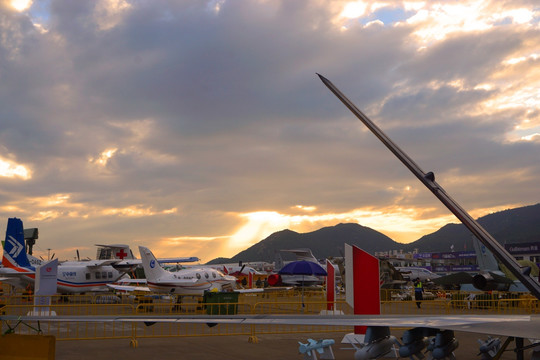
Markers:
324,242
508,226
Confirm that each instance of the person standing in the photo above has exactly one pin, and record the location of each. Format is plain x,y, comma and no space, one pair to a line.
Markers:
418,291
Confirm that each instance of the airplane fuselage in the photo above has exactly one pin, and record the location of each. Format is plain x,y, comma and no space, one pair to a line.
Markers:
192,281
73,278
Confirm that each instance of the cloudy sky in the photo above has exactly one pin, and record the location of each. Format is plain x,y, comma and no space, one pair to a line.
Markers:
198,128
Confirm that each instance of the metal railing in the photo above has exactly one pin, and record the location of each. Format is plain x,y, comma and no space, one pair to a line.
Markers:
313,303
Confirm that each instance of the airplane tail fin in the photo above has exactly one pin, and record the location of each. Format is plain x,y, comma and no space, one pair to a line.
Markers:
485,258
152,268
14,247
278,261
122,252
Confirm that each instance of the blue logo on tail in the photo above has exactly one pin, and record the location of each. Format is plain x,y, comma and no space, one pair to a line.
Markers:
14,245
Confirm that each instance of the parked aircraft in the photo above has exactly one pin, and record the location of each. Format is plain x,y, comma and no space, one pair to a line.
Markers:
440,327
188,281
490,277
73,276
122,252
228,269
413,272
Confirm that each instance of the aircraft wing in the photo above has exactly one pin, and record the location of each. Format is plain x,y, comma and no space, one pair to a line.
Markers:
13,277
129,288
9,272
178,260
501,278
14,281
465,278
454,279
177,282
136,262
524,326
92,264
118,264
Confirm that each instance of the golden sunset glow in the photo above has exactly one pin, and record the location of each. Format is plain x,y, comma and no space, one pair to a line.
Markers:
401,224
11,169
204,247
149,123
306,208
354,9
21,5
135,211
104,157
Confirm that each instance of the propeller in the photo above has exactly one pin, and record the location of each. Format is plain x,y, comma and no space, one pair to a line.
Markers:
78,257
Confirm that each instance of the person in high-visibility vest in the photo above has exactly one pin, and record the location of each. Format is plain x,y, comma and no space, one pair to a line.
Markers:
418,291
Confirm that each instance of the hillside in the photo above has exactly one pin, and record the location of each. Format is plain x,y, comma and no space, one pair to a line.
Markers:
508,226
324,242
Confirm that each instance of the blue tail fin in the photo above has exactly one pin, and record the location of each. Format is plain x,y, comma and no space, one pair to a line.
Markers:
14,247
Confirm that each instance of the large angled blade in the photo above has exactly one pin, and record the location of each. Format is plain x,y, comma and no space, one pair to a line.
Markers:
428,179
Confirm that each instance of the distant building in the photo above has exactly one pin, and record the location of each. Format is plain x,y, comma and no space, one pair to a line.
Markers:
525,251
456,261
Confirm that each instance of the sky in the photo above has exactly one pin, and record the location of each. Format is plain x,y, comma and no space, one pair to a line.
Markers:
199,128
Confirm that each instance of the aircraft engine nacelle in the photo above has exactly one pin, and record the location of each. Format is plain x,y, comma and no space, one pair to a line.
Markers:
274,280
486,282
378,343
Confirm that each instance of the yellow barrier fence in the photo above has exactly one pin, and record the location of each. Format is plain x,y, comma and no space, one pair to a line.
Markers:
258,303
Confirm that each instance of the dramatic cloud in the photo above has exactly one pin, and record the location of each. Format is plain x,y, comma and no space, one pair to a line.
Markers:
200,127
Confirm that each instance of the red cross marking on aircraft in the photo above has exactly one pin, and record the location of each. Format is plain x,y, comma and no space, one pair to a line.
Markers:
121,254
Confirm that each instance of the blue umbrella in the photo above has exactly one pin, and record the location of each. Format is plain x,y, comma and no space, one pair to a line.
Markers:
303,267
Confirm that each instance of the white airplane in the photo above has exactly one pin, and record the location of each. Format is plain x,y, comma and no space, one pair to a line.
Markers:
229,269
73,276
122,252
189,281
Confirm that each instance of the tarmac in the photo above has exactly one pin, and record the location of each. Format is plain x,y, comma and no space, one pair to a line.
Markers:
283,346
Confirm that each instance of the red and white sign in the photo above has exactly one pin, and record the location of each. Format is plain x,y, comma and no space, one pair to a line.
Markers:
362,283
330,286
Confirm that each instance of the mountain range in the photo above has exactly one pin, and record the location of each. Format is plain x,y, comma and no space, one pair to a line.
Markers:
517,225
